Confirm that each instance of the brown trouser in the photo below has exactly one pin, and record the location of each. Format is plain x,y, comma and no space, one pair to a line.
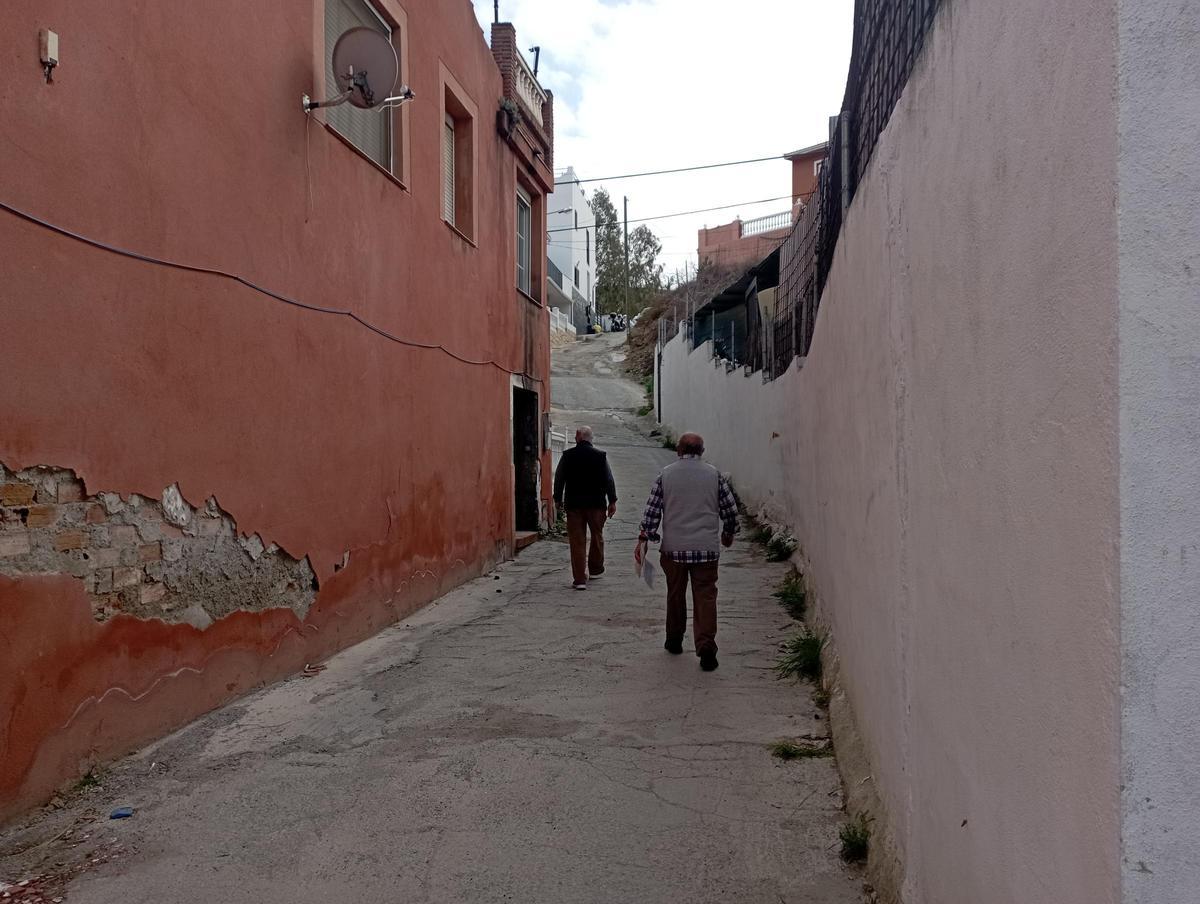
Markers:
584,557
704,601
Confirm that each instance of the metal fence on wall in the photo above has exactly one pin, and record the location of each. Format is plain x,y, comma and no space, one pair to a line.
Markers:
888,38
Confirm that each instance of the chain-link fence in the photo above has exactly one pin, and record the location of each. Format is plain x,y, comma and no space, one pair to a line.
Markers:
888,38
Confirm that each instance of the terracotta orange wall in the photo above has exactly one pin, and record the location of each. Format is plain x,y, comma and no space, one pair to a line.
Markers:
177,131
804,176
725,246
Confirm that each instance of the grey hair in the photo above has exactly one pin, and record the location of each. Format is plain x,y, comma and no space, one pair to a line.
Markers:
583,434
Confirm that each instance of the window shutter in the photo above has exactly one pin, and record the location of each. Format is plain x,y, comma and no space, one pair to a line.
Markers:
524,222
368,130
448,175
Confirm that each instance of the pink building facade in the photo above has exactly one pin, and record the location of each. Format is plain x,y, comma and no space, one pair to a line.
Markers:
330,414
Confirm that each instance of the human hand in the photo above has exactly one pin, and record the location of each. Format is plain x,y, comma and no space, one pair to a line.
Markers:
612,510
726,540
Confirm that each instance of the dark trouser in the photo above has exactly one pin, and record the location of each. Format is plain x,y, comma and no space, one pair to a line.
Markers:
704,602
584,557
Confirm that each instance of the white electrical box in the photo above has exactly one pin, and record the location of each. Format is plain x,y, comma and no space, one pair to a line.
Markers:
49,44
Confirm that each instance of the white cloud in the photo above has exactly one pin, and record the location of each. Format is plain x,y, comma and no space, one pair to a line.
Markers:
654,84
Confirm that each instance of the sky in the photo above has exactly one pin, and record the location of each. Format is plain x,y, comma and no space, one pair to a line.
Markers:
654,84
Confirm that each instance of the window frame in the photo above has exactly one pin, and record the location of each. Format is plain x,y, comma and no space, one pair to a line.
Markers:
458,108
524,200
392,15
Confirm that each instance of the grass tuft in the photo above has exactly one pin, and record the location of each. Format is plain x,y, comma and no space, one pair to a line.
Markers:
820,698
761,534
793,595
91,779
780,547
668,443
856,838
801,656
790,750
645,410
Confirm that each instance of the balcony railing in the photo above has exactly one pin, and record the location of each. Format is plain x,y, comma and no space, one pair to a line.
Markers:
769,223
528,89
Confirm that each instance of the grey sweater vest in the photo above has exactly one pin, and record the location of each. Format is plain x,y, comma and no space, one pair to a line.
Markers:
691,512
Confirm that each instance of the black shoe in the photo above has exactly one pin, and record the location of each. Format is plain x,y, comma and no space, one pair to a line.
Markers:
708,662
674,645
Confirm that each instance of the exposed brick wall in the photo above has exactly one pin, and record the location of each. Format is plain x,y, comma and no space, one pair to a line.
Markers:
504,49
140,556
506,53
548,127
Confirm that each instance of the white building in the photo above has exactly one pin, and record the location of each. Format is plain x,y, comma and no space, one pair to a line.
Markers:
571,250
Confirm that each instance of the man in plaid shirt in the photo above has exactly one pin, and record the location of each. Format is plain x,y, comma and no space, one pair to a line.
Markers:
698,513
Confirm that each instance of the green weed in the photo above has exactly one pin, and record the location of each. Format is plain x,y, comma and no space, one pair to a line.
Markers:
801,656
780,547
856,838
760,534
793,595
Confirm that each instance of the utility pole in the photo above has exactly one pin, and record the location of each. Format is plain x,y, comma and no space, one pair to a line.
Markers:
627,265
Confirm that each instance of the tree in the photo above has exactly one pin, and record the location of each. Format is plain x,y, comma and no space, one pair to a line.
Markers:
645,272
610,255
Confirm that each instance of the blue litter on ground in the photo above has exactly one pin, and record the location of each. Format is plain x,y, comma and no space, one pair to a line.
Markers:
121,813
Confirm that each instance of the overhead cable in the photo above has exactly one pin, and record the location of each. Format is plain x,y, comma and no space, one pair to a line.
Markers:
681,169
682,213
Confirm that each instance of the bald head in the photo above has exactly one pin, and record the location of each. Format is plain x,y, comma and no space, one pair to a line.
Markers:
690,444
583,435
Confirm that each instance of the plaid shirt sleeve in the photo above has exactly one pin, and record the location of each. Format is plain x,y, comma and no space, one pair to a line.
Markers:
727,503
652,517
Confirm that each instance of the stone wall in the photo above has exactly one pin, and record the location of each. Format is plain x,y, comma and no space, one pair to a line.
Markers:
150,558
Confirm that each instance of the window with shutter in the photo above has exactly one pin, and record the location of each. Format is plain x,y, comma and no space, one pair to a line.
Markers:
368,130
449,182
524,225
458,157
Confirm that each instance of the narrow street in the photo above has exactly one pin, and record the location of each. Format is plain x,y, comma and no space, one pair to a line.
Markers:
515,741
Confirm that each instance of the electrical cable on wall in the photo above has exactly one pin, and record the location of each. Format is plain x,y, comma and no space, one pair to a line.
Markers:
192,268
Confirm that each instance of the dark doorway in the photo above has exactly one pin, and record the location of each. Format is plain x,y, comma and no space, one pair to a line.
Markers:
525,458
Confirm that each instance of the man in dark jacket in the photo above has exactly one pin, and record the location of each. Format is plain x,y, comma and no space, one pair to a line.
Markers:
584,486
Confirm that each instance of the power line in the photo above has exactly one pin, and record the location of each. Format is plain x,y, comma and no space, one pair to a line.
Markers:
682,213
192,268
682,169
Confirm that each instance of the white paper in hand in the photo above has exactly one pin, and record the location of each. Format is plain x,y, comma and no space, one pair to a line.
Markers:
648,573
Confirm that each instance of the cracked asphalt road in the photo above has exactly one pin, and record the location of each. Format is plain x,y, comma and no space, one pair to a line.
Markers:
533,744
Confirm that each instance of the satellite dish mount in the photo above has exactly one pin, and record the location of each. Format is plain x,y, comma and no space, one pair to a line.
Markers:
366,69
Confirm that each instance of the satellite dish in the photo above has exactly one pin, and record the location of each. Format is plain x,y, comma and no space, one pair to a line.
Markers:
366,68
365,64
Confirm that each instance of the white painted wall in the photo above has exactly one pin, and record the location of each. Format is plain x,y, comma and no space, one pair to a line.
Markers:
1158,219
568,249
948,457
